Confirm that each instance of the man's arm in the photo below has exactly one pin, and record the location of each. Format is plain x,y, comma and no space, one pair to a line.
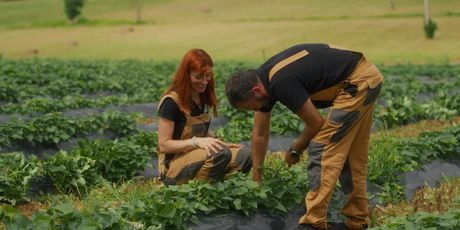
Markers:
260,135
313,124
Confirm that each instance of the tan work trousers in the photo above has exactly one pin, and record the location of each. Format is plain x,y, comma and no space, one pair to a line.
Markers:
340,150
196,164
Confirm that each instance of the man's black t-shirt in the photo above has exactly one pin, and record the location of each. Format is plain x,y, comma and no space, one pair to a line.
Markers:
322,68
170,110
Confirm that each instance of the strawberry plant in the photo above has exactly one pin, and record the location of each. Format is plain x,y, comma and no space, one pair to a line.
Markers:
389,157
117,160
53,128
71,173
424,220
66,216
14,177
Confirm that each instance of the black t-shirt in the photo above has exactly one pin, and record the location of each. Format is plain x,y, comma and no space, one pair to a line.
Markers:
322,68
170,110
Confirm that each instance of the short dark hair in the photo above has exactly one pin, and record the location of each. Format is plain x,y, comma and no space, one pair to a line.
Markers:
239,85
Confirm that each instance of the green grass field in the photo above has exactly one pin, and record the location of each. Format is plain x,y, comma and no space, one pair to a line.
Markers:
233,29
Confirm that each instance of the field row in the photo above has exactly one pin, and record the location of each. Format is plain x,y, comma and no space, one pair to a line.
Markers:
85,169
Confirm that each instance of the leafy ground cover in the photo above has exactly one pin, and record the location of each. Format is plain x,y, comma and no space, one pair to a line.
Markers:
436,208
286,186
53,128
38,86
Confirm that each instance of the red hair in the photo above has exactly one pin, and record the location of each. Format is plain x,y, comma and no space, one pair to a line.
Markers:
195,60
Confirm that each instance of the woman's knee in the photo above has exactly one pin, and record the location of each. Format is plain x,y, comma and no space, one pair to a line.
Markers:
244,159
222,158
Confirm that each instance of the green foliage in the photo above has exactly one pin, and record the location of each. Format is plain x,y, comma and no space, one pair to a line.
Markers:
115,160
71,173
424,220
235,131
383,153
284,122
49,85
174,207
53,128
119,123
47,105
430,28
65,216
392,192
75,172
403,110
287,186
73,8
388,157
432,145
240,126
14,177
400,111
94,82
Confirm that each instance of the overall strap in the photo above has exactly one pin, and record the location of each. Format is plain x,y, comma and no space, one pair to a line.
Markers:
162,158
322,95
286,62
196,126
330,93
175,96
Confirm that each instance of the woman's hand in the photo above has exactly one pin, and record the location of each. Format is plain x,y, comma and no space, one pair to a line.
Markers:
210,144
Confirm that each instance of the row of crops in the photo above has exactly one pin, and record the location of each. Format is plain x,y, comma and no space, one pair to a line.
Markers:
38,86
166,207
36,93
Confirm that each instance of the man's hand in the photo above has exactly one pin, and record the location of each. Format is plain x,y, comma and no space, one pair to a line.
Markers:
290,158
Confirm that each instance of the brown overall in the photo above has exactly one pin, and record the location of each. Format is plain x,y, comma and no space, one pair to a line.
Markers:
339,151
178,168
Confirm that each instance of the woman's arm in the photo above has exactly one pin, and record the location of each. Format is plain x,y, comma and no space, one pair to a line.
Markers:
167,145
165,142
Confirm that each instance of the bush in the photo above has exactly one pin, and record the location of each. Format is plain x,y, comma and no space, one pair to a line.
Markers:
430,28
73,8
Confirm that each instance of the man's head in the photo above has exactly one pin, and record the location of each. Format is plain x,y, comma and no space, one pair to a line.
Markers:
244,90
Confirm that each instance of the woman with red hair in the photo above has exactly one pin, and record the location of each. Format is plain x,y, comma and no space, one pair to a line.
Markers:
187,149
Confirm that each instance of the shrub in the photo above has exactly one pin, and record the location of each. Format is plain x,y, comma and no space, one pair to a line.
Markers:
73,8
430,28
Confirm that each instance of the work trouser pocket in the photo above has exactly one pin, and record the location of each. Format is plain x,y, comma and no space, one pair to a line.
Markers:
315,152
372,94
374,83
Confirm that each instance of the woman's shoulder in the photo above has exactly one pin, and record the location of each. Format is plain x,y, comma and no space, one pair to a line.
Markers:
169,103
171,95
169,109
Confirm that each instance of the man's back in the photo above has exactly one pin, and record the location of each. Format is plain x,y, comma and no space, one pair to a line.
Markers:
292,75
